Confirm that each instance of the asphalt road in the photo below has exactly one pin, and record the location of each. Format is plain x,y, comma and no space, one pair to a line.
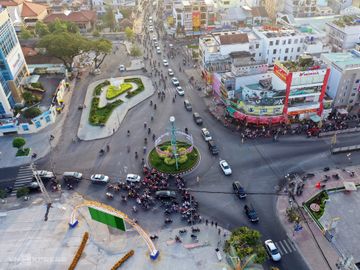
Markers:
259,165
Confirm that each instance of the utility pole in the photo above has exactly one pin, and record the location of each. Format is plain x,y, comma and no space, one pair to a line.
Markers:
41,184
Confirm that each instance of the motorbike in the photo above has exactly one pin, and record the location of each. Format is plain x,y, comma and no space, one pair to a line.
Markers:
197,229
182,231
177,239
168,220
134,208
109,195
102,152
154,237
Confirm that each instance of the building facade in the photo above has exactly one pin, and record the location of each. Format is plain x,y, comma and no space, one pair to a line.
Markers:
344,80
296,8
13,68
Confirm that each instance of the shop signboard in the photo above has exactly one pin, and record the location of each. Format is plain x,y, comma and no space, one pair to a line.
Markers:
260,110
15,60
308,77
302,111
196,19
278,71
262,97
305,91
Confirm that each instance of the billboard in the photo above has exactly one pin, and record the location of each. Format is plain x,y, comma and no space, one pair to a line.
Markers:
308,77
108,219
278,71
196,19
15,59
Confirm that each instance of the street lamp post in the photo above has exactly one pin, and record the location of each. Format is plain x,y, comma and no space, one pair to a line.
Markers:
173,140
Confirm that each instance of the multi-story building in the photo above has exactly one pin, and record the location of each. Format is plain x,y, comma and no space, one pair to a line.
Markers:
13,69
293,90
344,33
344,80
194,17
300,8
338,5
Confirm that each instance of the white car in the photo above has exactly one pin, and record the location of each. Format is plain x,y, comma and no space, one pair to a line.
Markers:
170,72
154,38
206,134
158,51
150,18
151,29
175,81
122,68
225,167
180,91
171,46
44,175
156,44
272,250
133,178
100,178
165,62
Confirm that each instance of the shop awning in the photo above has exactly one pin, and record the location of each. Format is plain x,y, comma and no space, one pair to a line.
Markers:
315,118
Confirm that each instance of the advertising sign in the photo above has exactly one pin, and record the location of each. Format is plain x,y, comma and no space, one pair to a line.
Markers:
260,110
302,111
308,77
196,19
261,97
15,60
278,71
108,219
305,91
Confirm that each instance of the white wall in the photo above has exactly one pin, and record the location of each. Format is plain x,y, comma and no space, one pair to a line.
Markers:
227,49
333,82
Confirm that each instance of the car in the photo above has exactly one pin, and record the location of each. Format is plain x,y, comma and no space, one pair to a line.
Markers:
44,175
272,250
158,51
165,62
170,72
154,38
251,213
180,91
133,177
171,46
156,44
239,190
175,81
197,118
99,178
122,68
151,29
150,18
206,134
213,148
68,176
165,194
33,185
225,167
187,105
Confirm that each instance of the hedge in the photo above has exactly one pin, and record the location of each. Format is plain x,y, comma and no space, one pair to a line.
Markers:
140,86
113,91
98,88
99,116
23,152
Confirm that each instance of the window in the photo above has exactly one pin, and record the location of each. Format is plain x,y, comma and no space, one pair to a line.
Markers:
296,41
286,50
271,43
277,42
257,46
357,81
284,42
285,58
274,51
298,49
353,94
289,41
259,54
351,100
292,49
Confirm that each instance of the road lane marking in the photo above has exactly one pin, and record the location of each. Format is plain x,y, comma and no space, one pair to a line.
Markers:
283,248
291,243
286,244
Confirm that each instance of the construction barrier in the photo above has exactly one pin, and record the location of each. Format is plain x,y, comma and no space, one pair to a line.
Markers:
122,260
341,131
345,149
79,251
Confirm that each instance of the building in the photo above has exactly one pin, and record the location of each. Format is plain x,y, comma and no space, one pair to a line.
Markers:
100,5
302,8
13,69
338,5
294,90
24,13
273,7
344,80
84,19
344,33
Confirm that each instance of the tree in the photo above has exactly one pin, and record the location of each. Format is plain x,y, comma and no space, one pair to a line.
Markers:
64,46
135,51
109,18
32,112
126,12
101,47
29,98
246,242
96,33
129,33
18,142
59,26
41,29
25,33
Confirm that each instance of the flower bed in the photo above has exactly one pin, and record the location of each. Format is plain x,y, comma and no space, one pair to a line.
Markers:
99,116
139,89
167,164
319,199
98,88
113,91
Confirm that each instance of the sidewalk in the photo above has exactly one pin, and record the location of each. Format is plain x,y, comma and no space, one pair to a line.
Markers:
88,132
38,142
304,239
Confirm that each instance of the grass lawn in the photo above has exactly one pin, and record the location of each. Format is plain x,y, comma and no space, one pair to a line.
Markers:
99,116
113,91
23,152
159,164
98,88
140,87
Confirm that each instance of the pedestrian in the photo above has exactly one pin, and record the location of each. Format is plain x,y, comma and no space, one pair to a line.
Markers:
206,222
212,223
198,179
145,124
215,224
219,231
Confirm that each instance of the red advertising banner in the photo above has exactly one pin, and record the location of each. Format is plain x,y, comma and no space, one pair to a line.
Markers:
278,71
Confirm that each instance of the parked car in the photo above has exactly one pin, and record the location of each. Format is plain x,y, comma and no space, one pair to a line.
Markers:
170,72
133,177
100,178
180,91
33,185
122,68
197,118
45,175
165,62
213,148
225,167
68,176
151,29
239,190
251,213
171,46
154,38
175,81
206,134
158,51
165,194
156,44
187,105
272,250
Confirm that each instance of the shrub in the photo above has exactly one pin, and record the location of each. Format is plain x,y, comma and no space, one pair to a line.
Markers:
2,194
37,85
98,88
18,142
112,91
32,112
319,199
169,161
29,98
140,86
99,116
182,159
22,192
23,152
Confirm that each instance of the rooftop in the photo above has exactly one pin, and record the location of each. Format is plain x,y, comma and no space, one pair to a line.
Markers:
347,21
76,16
234,39
344,60
275,31
304,63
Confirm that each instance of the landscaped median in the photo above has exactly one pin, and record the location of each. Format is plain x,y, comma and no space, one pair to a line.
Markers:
99,116
139,89
113,91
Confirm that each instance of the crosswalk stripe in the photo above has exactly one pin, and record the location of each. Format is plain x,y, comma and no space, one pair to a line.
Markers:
286,244
292,244
283,249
